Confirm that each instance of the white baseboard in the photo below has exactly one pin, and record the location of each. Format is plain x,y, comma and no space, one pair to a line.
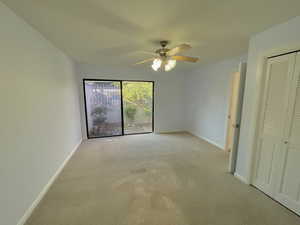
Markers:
241,178
170,132
29,211
208,140
213,143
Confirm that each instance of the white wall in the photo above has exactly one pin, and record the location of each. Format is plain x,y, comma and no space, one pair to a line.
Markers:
40,118
207,93
278,39
40,121
168,94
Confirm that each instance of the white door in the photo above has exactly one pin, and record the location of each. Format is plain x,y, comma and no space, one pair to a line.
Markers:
234,114
273,115
288,185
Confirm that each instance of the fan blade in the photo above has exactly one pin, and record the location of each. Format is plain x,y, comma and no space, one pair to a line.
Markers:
147,52
142,52
144,61
185,58
179,48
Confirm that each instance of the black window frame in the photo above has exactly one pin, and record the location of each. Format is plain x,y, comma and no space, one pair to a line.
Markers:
122,116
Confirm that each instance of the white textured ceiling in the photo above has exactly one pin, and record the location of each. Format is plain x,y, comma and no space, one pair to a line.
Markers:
111,32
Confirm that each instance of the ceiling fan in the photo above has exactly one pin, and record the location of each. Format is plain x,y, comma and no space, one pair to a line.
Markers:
166,58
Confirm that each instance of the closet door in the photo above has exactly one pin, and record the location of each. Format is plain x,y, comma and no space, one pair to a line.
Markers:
288,187
272,121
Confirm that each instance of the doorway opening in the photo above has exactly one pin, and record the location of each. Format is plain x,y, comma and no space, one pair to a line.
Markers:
118,107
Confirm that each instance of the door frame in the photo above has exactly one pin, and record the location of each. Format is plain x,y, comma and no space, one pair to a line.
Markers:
122,116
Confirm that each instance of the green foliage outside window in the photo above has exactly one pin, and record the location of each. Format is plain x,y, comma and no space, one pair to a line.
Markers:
99,115
138,94
130,112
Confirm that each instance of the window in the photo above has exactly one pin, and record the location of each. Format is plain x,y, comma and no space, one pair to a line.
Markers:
138,106
115,107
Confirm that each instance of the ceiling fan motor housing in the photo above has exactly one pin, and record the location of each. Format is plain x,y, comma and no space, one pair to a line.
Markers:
163,51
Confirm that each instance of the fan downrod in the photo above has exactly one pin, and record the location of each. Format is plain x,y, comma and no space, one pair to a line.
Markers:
164,43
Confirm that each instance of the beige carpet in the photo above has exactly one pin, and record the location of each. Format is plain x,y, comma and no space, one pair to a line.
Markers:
170,179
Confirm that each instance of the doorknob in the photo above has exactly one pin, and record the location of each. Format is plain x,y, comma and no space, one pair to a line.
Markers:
236,125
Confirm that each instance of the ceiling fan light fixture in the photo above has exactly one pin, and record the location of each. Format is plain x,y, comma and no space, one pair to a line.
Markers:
170,64
156,64
166,58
